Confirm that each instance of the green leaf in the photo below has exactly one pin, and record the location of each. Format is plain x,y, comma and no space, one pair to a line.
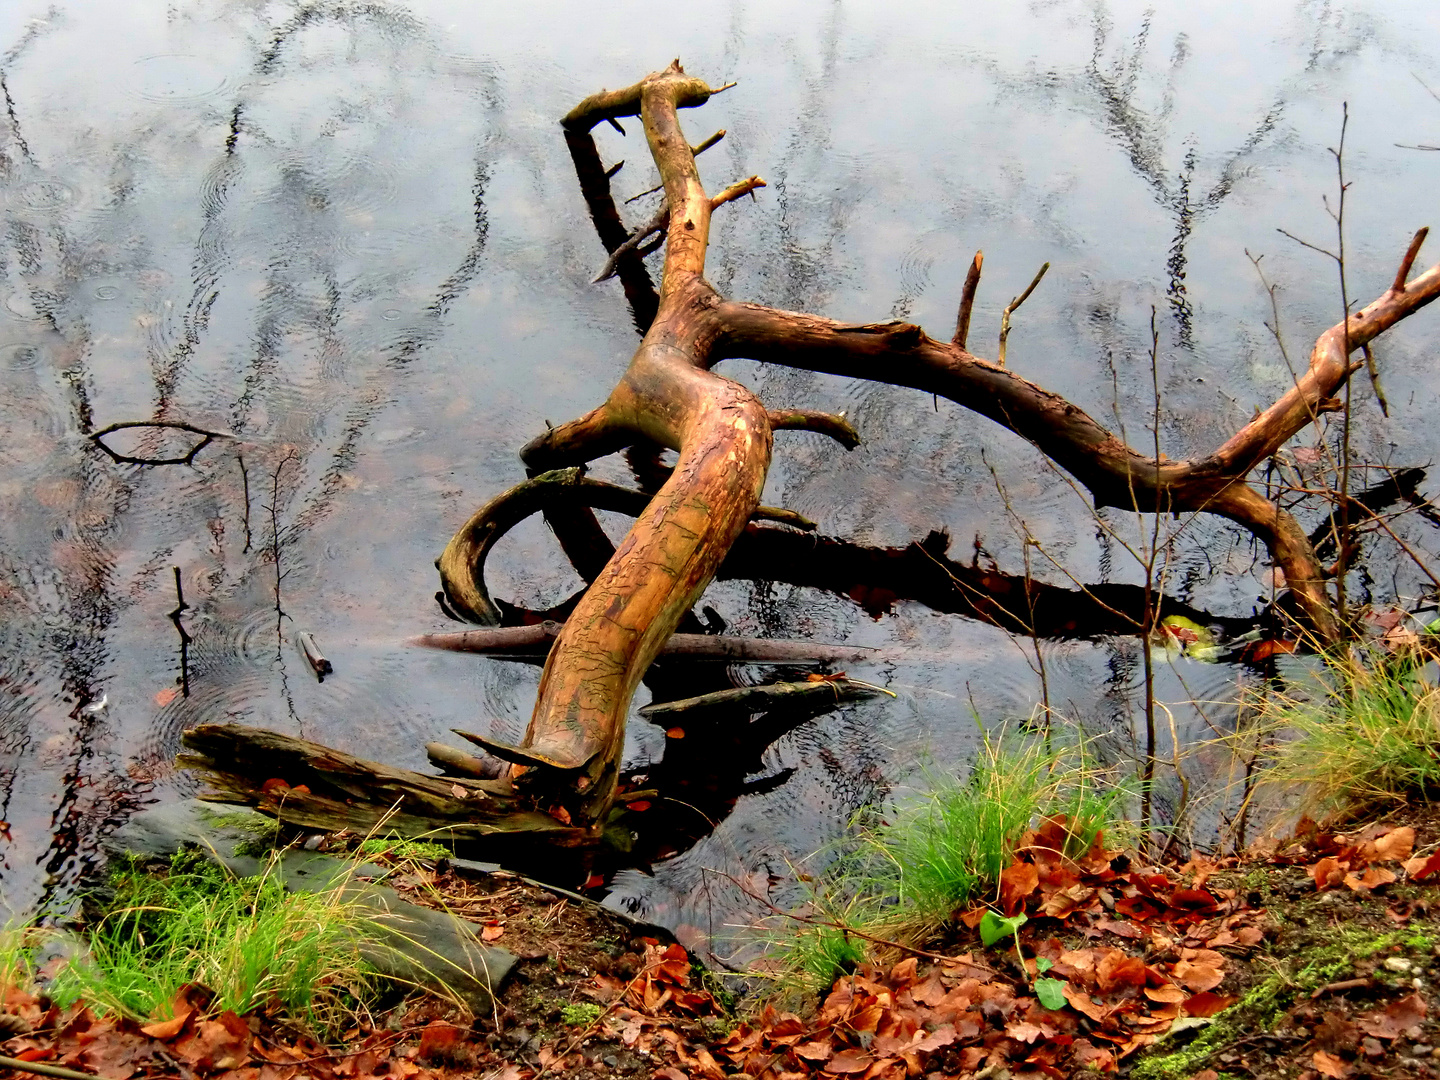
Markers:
993,927
1050,992
1043,964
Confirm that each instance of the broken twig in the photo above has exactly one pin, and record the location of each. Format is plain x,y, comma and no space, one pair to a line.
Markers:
1010,310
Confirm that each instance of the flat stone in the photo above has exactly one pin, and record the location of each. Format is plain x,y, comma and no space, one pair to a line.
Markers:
412,944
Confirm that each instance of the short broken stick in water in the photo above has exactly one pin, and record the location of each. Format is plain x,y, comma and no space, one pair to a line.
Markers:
313,656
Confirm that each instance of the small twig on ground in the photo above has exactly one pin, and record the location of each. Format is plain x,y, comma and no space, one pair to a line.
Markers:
1343,984
1010,310
40,1068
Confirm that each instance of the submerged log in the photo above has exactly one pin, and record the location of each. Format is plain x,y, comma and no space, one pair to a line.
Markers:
534,643
755,698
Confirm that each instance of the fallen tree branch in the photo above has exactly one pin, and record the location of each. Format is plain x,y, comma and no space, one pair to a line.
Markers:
462,564
650,228
670,396
534,642
754,698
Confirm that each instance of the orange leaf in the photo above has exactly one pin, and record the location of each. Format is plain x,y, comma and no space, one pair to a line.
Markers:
1082,1002
1397,1018
940,1037
819,1050
439,1039
639,806
1207,1004
1395,845
972,917
1017,881
849,1061
675,733
1327,873
1330,1065
1263,650
1023,1030
1117,969
164,697
1165,994
492,933
1198,977
1373,878
1422,866
165,1030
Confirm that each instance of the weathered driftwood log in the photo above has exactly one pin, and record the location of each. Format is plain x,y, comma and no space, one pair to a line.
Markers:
723,437
311,786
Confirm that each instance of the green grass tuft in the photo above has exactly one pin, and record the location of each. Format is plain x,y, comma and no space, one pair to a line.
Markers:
247,939
902,878
1365,738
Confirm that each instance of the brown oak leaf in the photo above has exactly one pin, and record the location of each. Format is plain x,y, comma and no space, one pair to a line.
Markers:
1327,873
1330,1065
1017,881
1396,1019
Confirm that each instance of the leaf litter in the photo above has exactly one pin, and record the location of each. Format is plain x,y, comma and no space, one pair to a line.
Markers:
1101,965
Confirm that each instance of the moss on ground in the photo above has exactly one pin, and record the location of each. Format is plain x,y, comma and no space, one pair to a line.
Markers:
1303,970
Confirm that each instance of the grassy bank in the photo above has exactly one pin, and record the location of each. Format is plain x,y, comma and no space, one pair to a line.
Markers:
902,876
154,930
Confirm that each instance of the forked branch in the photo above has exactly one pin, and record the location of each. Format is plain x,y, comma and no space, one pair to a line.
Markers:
670,397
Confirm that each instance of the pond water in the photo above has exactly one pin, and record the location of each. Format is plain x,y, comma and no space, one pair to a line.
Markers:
349,237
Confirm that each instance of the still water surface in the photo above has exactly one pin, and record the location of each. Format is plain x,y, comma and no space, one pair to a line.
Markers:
350,236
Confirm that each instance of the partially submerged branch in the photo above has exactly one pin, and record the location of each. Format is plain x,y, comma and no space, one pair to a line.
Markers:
669,397
967,301
533,642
